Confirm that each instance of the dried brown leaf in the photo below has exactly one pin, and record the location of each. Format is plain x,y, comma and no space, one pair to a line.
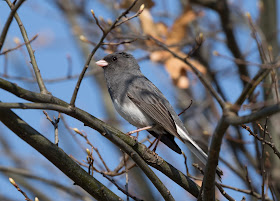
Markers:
177,68
179,28
147,23
159,56
126,3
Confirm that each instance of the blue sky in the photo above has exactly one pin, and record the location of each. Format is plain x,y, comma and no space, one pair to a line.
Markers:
54,44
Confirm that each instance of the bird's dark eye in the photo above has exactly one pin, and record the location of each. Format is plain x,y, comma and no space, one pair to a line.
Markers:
115,58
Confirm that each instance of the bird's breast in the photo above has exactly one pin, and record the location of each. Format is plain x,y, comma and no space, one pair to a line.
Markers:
134,115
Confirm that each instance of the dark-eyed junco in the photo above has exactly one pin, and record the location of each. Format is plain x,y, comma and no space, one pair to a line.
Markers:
142,104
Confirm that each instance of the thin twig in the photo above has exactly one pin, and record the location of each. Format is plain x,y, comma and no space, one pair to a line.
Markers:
186,165
185,109
263,172
266,111
105,33
133,16
55,125
250,87
204,81
6,27
141,164
18,46
30,175
122,190
223,192
262,140
19,189
93,147
264,53
126,175
244,62
59,105
40,81
54,80
120,43
249,181
198,42
249,192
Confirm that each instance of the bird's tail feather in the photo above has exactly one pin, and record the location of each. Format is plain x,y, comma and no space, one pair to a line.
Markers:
195,149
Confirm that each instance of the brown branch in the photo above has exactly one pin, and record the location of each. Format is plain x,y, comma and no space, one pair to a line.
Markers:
6,27
140,163
254,116
18,46
255,194
262,47
221,7
89,120
250,87
19,189
56,156
208,187
121,189
270,144
29,175
55,125
133,16
223,192
249,181
243,62
94,148
120,43
263,172
53,80
185,108
204,81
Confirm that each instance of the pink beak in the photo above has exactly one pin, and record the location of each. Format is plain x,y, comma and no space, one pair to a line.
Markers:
102,63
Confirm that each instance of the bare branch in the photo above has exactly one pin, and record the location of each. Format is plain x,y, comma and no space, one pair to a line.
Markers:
40,81
19,189
204,81
6,27
56,155
105,33
270,144
121,189
18,46
89,120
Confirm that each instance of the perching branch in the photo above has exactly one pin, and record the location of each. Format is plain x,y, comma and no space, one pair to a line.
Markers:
44,101
56,155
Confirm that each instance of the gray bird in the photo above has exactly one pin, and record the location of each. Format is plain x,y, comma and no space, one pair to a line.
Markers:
142,104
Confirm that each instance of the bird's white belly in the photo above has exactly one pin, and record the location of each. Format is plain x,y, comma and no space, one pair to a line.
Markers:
131,113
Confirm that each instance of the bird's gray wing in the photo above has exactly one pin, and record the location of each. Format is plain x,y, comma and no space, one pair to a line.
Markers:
151,103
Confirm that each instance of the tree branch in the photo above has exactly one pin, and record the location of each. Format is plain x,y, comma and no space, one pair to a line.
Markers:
141,163
8,23
105,33
203,80
53,103
40,81
208,186
267,111
56,155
